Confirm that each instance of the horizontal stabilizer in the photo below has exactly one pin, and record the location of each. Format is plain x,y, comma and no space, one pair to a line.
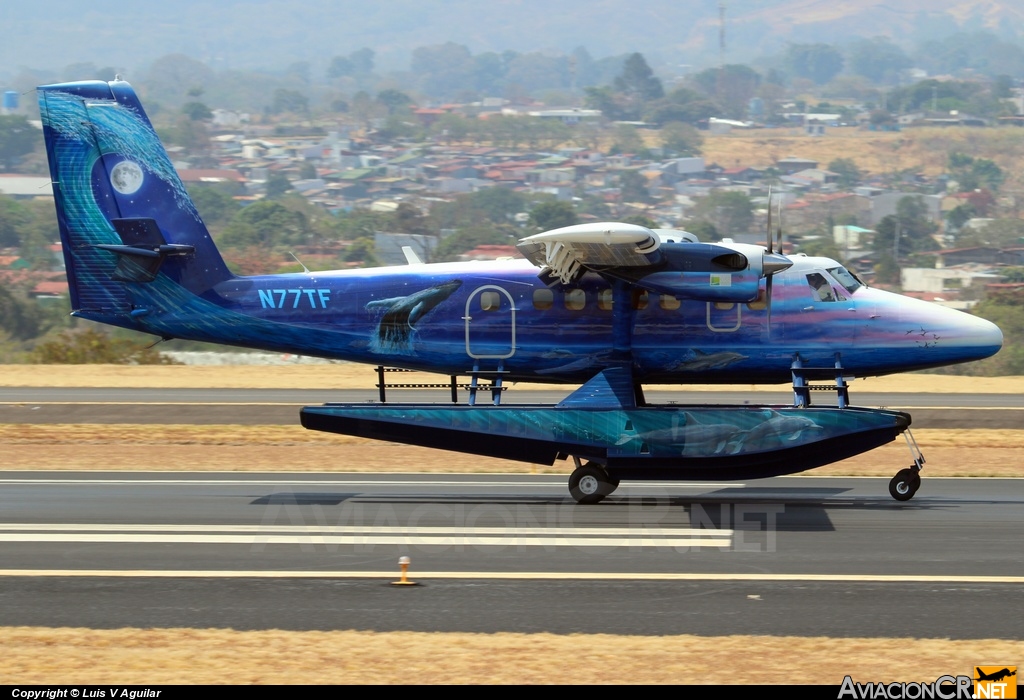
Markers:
145,250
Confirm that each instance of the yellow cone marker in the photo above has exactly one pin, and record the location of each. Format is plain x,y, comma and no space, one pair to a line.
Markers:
404,563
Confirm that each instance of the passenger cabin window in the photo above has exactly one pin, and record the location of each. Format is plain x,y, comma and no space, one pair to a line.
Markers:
575,299
604,300
820,288
640,300
668,302
489,301
543,299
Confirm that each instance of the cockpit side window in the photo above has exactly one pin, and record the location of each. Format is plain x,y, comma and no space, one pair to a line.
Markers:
846,278
820,287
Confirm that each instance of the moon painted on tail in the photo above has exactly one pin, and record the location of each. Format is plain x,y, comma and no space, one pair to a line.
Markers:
126,177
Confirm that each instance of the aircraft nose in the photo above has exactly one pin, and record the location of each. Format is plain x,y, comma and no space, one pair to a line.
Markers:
985,334
974,336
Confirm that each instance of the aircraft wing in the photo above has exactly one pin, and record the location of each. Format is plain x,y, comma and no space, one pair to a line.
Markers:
667,262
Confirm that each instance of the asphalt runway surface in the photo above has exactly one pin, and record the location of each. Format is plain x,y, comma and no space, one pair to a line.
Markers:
281,406
784,556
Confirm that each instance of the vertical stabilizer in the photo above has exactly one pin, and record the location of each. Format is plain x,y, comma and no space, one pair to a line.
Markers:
123,212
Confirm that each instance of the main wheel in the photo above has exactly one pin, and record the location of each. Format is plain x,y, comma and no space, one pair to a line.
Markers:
905,484
590,484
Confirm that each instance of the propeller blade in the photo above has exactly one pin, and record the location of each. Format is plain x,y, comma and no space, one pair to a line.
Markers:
768,301
769,246
778,231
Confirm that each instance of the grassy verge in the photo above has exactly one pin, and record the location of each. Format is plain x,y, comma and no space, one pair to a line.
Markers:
148,657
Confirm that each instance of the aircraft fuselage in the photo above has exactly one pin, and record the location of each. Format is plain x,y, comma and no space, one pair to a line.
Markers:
449,317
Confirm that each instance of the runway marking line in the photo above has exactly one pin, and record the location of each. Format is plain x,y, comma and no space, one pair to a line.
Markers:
445,536
516,575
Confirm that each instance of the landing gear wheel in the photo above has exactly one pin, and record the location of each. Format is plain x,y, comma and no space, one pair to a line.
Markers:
590,483
905,484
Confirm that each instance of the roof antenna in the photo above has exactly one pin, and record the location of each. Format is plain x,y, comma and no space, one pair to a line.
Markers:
410,255
304,268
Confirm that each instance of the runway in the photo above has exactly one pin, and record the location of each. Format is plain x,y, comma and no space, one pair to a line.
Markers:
807,556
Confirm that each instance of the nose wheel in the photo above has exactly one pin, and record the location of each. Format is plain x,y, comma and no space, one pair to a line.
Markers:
589,483
905,484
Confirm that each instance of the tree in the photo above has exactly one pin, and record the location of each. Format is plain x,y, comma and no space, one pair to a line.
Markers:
960,215
731,86
17,138
627,140
731,212
277,185
681,105
442,70
494,205
637,85
17,317
355,66
289,101
215,206
640,220
878,59
551,215
266,224
394,100
13,219
362,251
908,231
681,139
91,346
847,170
703,230
409,219
196,111
171,77
468,238
816,62
633,187
637,80
1006,310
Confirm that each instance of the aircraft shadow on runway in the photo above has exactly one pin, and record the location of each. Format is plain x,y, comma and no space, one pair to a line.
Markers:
796,509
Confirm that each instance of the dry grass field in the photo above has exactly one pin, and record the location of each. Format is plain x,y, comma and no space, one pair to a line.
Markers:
926,149
150,657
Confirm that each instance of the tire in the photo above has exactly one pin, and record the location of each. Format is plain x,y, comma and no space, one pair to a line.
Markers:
905,484
589,484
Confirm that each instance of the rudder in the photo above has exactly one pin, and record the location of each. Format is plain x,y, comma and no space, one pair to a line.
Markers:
123,212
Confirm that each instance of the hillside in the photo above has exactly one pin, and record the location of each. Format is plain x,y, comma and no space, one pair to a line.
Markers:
272,34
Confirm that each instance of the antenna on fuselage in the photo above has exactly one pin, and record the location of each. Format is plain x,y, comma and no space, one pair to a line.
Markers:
410,256
304,268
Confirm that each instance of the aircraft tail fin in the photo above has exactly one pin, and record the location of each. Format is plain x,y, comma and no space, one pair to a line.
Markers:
123,212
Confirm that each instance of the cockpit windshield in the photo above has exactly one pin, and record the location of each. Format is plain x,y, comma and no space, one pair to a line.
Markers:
846,278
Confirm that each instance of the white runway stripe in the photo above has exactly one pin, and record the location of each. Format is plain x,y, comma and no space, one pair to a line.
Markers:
368,535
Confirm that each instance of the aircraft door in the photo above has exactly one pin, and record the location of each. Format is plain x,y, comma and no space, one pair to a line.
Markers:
490,323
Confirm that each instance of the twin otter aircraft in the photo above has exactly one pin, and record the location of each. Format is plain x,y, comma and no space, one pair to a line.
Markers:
610,306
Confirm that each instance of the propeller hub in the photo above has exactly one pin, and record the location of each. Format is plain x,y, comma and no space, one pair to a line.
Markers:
775,262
